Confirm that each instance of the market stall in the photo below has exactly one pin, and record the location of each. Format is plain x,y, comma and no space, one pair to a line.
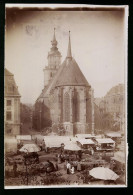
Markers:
105,144
85,143
55,141
23,137
72,147
116,136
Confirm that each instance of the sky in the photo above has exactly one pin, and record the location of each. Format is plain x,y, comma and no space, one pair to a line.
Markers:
97,44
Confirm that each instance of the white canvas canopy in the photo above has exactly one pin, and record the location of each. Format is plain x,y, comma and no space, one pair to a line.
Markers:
56,141
86,142
105,141
23,137
37,137
103,173
72,146
114,134
30,148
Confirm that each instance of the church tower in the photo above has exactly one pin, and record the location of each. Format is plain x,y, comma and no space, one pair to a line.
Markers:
54,61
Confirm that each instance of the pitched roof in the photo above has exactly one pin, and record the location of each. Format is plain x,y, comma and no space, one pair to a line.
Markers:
71,75
86,141
105,140
8,73
11,88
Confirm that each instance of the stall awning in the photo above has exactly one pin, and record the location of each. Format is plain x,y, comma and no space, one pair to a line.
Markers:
56,141
114,134
105,141
72,146
86,141
23,137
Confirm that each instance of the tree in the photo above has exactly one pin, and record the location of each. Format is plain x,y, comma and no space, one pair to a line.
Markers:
25,113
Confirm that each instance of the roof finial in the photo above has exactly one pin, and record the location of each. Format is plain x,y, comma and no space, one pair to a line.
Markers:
69,54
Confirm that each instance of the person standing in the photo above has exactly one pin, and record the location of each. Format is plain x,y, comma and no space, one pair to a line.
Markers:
68,167
72,170
92,151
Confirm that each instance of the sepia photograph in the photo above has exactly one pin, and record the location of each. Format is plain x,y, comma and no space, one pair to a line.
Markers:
65,96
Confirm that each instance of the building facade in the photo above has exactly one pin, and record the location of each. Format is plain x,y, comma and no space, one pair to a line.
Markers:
114,100
67,97
11,105
113,103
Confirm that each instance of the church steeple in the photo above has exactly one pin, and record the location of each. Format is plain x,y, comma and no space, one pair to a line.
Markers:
54,61
69,53
54,42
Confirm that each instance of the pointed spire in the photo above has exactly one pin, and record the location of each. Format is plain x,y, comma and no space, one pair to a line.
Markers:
54,39
54,42
69,54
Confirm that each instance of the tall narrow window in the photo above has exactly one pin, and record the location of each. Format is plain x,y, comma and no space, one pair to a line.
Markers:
8,116
66,107
8,102
76,107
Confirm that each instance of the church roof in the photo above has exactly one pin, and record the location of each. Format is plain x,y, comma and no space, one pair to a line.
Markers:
71,75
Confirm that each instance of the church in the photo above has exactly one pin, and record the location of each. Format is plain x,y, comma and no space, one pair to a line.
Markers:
67,98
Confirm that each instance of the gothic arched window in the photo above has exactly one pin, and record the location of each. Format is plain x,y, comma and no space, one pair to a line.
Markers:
78,108
76,104
66,107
